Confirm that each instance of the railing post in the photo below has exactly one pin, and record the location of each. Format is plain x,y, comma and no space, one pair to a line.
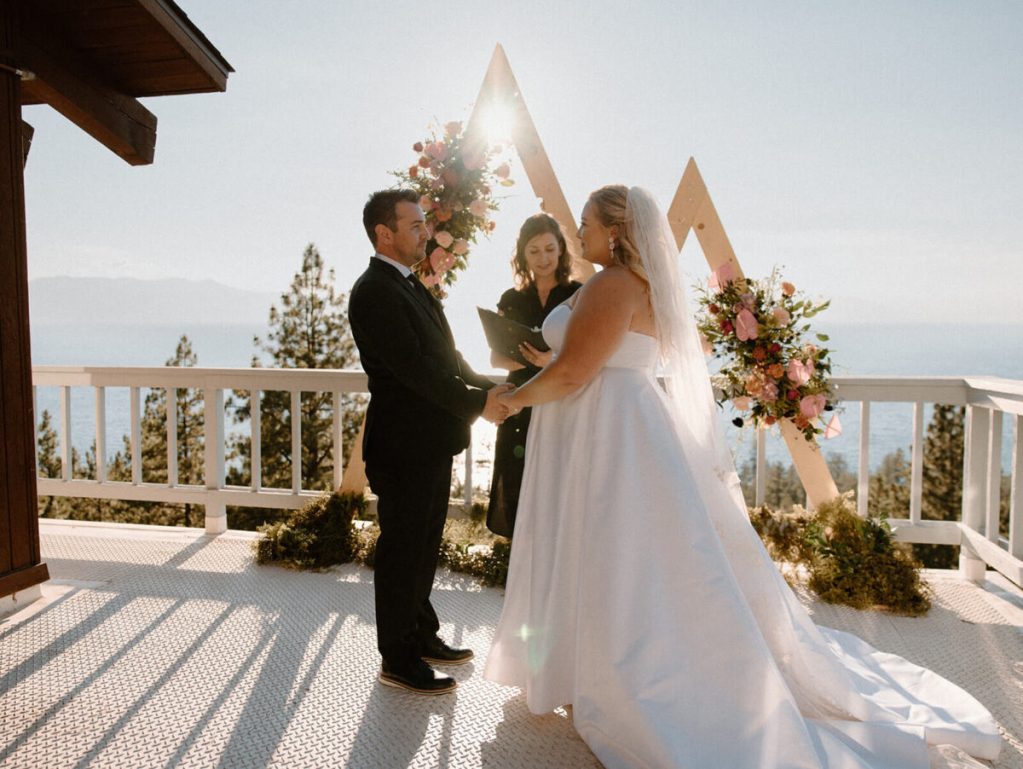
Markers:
172,436
213,465
66,470
296,441
975,464
917,466
863,476
1016,492
256,442
467,485
135,439
994,478
761,492
337,441
101,434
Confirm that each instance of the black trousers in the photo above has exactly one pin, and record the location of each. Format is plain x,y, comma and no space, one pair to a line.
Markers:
412,505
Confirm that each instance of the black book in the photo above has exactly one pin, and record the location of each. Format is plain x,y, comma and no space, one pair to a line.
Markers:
505,335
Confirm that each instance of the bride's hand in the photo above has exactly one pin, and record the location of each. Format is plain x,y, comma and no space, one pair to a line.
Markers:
534,356
506,399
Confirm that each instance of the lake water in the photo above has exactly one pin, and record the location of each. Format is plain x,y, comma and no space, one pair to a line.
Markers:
867,349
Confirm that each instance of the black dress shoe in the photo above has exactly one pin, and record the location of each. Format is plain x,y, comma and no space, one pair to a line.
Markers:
438,652
419,678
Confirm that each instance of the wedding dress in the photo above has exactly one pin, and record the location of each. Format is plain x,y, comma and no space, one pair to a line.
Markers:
639,593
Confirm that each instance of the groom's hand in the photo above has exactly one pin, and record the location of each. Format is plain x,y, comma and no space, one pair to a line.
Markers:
495,411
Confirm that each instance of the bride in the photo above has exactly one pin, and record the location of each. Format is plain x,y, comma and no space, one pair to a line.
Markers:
637,590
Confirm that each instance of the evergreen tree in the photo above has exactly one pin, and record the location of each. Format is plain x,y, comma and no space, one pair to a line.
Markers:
889,487
310,330
942,493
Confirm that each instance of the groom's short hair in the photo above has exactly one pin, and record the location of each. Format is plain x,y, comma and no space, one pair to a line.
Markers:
380,209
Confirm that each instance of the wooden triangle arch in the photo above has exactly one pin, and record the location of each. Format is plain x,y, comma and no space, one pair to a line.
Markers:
691,209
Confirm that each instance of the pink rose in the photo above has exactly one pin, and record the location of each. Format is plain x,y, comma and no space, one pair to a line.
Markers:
431,280
781,316
787,288
453,128
478,208
426,203
811,406
503,171
441,260
725,274
444,239
436,150
461,247
742,402
799,373
746,326
770,392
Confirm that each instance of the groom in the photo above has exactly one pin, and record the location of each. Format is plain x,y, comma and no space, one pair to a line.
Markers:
423,397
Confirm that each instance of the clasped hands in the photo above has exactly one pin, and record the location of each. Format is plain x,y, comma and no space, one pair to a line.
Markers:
497,408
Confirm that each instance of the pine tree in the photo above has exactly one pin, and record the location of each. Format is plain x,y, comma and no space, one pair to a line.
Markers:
942,493
889,487
310,330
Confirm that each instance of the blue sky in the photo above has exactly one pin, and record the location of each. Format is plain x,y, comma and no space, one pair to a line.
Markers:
873,149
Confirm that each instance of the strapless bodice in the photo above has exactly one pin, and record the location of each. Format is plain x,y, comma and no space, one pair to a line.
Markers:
636,350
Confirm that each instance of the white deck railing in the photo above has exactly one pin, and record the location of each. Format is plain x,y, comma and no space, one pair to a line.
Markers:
988,401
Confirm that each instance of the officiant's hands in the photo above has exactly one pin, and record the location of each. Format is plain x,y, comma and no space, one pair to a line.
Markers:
535,356
494,410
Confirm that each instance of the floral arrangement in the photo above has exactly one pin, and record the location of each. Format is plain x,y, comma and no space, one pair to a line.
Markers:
769,371
455,184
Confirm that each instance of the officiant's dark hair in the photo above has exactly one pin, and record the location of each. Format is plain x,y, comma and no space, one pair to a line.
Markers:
380,209
540,224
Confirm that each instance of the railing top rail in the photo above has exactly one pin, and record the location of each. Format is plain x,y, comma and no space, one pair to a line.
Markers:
182,376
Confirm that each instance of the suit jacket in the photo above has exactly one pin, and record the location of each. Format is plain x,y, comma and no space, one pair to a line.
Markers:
423,395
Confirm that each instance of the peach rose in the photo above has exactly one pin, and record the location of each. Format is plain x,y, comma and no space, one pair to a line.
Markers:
776,370
478,208
781,316
503,171
444,239
742,402
461,247
787,288
426,203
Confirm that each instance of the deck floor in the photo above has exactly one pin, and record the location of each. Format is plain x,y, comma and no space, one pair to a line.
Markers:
158,647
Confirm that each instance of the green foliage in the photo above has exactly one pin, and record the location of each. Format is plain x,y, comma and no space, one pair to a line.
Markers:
850,560
318,535
310,330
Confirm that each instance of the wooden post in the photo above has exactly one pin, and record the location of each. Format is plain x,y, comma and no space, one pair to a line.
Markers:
693,209
20,562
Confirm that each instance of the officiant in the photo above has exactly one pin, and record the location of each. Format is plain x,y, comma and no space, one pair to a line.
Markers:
541,266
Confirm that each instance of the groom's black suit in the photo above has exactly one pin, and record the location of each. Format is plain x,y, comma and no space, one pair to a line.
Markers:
423,397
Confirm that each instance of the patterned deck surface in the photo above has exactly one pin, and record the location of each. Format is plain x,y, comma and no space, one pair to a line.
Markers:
166,648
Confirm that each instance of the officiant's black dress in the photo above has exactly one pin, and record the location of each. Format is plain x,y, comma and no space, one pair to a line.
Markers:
522,306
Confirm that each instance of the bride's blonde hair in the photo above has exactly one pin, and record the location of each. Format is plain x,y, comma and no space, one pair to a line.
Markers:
611,205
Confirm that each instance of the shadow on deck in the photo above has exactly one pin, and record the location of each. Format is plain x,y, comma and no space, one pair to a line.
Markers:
160,647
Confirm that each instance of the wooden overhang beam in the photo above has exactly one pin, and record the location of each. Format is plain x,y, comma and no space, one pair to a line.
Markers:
66,80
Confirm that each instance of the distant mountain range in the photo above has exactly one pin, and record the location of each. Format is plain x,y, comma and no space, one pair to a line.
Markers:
61,300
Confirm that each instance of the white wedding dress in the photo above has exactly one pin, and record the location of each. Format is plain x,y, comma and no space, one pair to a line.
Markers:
670,631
